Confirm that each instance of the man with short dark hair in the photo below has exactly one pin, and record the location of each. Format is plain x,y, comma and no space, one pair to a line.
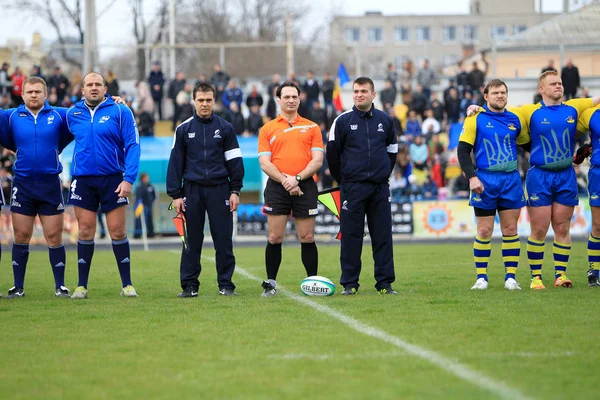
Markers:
290,151
59,82
205,175
361,153
104,168
156,80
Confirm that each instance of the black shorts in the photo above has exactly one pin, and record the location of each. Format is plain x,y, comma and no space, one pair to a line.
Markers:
484,212
279,202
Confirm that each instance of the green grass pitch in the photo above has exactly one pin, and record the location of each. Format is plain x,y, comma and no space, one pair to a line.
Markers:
437,339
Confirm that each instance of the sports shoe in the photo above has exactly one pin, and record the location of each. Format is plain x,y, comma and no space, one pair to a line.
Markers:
511,284
269,291
563,281
387,290
480,284
349,291
537,284
62,292
80,293
592,278
188,292
129,291
15,292
227,292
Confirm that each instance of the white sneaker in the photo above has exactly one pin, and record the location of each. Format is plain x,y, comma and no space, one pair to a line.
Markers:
480,284
511,284
128,291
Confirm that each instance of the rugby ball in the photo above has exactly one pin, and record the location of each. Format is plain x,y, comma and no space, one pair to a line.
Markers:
317,286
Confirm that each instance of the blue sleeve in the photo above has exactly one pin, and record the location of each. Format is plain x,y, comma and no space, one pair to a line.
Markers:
176,166
131,141
233,160
6,137
66,136
334,150
225,100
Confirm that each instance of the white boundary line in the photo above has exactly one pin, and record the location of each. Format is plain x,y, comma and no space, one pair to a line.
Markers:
452,367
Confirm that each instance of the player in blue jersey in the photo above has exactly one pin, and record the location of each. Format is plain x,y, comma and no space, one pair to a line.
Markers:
104,168
37,133
590,121
492,135
551,184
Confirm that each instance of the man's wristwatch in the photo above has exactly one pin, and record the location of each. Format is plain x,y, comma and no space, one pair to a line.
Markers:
298,178
235,192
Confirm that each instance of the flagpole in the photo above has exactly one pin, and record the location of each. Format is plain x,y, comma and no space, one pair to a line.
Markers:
144,233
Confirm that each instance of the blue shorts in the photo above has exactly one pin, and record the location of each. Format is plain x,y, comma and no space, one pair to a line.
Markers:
89,192
594,186
545,187
31,198
500,190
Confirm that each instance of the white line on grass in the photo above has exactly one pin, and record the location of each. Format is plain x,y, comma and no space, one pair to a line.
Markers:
453,367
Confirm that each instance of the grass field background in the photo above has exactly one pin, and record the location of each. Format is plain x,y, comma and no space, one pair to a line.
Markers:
541,344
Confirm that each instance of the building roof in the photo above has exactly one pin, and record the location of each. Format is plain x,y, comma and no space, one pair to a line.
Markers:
579,29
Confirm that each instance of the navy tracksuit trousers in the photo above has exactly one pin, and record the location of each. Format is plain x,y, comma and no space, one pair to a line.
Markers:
372,199
213,200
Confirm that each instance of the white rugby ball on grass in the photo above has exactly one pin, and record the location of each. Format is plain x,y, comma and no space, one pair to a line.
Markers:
317,286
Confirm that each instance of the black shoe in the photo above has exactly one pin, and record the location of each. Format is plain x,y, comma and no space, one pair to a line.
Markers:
269,291
349,291
387,290
62,292
592,278
188,292
15,292
227,292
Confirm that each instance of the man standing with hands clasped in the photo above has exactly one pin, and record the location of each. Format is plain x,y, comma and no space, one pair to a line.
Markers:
205,174
361,153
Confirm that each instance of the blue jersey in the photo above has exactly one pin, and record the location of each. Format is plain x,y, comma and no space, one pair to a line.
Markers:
37,140
590,121
106,140
494,137
552,130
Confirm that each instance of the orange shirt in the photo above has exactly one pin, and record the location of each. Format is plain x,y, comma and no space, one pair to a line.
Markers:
290,145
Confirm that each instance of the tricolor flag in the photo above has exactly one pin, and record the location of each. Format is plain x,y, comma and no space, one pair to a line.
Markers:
341,80
139,209
331,199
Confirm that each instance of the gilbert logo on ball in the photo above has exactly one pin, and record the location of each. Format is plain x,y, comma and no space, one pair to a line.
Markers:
317,286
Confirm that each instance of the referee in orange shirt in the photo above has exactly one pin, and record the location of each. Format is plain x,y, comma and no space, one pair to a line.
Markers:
290,152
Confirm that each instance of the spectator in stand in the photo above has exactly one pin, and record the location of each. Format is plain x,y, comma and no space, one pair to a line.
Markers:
17,79
4,101
175,87
413,191
465,103
406,74
413,125
430,189
156,80
451,85
549,67
233,94
327,88
37,72
461,188
220,80
303,106
585,93
254,98
59,82
311,88
570,79
478,99
184,102
220,111
419,153
430,125
4,80
112,85
406,93
419,101
476,78
437,107
397,124
271,111
317,114
255,121
462,79
237,119
202,79
53,97
397,185
292,78
426,78
392,75
145,109
388,95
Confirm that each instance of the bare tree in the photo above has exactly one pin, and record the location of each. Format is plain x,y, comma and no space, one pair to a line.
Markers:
141,30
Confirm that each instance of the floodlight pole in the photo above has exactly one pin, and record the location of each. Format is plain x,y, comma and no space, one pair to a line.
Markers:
89,37
289,45
172,38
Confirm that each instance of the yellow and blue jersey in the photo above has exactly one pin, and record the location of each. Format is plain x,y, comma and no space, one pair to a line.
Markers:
552,130
590,121
494,137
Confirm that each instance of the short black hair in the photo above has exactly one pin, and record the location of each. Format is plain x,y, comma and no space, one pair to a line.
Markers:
494,83
204,87
364,80
286,84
